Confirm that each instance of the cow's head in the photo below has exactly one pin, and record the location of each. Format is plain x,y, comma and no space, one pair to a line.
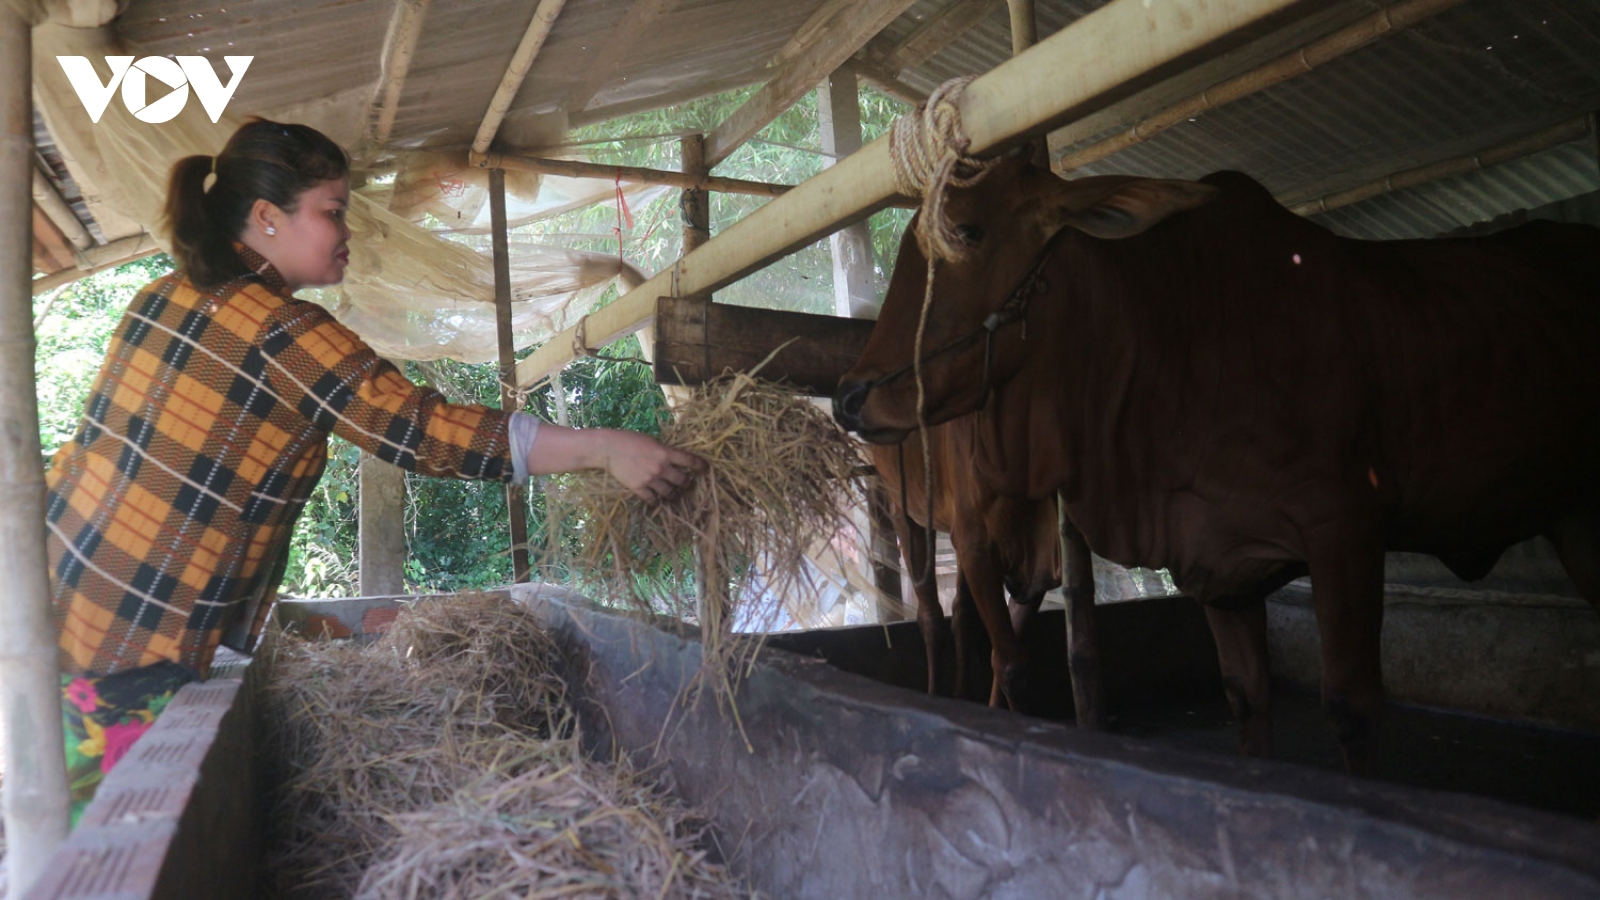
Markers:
1004,224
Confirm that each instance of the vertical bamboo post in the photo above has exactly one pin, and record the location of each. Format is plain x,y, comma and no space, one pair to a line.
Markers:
35,793
1083,653
711,597
516,505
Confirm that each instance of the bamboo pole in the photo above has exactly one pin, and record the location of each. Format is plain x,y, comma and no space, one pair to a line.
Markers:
1554,136
400,46
1346,40
1024,28
516,504
1066,74
544,19
34,797
697,180
57,211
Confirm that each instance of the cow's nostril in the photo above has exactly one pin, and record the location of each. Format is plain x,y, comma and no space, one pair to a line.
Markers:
847,403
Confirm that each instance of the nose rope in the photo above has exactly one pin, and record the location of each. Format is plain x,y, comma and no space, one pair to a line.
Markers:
928,150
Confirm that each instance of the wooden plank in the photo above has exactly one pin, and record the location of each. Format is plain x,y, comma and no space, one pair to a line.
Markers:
1079,68
381,528
832,45
695,341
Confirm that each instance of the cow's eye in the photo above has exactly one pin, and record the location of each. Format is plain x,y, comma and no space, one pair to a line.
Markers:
972,234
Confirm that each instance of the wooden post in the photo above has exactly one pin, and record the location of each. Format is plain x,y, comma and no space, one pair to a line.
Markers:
711,587
1083,655
839,120
1024,28
35,791
382,527
885,554
516,504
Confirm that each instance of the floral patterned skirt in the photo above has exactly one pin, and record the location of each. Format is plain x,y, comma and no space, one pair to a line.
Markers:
102,716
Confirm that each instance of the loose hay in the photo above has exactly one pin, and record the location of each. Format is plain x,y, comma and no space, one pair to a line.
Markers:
779,485
442,762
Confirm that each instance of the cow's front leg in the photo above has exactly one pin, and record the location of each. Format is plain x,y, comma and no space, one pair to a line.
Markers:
930,615
1241,637
1346,562
979,564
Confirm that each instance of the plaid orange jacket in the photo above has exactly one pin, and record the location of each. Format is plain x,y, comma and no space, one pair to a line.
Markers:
205,432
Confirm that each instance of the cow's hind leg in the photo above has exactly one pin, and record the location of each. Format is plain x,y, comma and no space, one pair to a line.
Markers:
1241,636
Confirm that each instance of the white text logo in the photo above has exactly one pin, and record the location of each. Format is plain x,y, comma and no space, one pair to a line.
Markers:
179,75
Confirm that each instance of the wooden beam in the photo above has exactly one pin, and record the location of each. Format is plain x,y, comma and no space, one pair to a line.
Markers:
694,204
890,84
1544,139
544,19
831,46
695,341
33,795
839,122
399,45
1072,71
1339,44
575,169
618,44
53,206
381,527
52,252
516,504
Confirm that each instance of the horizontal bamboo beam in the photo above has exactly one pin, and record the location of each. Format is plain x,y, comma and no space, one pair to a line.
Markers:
1341,43
1554,136
1020,98
632,174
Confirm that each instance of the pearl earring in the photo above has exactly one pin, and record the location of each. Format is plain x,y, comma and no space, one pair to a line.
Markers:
271,231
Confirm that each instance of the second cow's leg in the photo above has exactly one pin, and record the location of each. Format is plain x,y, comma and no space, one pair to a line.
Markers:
979,564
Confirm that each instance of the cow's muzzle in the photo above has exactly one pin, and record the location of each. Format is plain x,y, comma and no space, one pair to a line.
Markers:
848,400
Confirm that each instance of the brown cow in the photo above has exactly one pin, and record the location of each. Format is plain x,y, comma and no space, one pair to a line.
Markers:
998,539
1226,390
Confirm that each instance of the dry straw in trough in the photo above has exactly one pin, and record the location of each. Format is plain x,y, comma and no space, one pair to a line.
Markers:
443,762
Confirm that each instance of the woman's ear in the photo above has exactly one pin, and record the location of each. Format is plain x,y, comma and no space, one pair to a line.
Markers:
265,217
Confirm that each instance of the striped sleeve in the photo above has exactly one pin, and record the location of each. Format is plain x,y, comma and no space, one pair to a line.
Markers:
327,373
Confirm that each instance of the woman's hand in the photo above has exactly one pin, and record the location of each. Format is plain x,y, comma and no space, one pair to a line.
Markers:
647,467
643,465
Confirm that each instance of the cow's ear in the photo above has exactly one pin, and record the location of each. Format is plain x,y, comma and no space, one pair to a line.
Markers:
1120,207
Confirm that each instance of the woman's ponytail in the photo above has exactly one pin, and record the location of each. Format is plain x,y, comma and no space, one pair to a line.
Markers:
200,247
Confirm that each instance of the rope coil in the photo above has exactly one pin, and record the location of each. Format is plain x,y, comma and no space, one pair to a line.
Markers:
928,149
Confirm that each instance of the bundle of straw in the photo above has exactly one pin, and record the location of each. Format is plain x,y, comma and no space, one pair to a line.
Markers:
777,487
442,762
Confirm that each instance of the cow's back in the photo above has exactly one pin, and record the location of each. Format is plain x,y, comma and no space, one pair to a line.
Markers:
1247,365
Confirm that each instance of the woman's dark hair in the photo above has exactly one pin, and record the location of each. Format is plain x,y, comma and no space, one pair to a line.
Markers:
263,160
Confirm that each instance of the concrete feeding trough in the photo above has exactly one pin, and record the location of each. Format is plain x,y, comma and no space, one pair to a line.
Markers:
841,779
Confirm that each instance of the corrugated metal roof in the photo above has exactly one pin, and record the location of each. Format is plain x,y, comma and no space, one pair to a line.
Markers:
1474,76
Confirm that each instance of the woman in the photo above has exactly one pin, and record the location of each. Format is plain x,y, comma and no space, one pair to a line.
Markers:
170,510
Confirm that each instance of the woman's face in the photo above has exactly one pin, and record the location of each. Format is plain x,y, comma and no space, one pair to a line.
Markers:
309,246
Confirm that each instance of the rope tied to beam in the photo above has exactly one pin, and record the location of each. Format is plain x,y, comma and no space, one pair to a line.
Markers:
928,151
